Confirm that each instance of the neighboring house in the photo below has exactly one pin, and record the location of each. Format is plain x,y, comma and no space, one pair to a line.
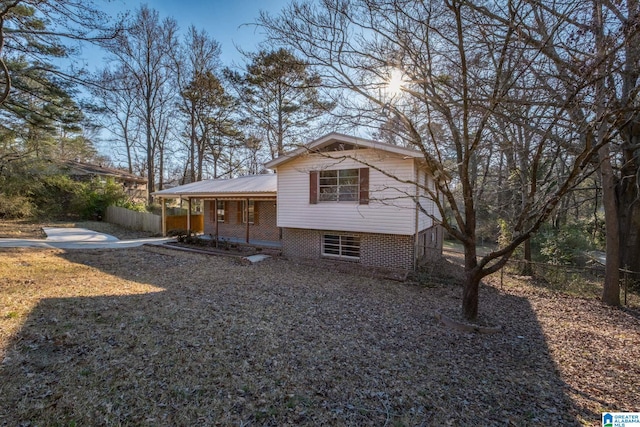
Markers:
239,209
338,197
133,185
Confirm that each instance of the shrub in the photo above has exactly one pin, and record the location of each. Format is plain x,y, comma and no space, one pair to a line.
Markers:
505,236
93,198
132,206
54,195
15,207
564,246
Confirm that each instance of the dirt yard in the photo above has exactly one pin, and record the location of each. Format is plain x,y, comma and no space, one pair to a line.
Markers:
154,336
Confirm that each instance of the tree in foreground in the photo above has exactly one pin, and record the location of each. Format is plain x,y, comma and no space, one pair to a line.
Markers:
41,121
462,85
594,45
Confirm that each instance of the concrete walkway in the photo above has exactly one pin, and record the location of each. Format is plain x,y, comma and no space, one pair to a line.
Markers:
79,238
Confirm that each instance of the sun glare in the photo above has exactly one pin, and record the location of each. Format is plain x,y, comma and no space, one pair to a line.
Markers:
396,81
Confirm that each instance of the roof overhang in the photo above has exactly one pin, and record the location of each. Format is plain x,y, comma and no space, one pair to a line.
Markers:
251,187
317,145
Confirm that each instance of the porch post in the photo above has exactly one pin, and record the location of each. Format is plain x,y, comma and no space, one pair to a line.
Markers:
189,215
163,202
246,211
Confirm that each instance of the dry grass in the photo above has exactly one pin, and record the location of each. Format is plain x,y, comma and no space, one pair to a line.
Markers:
26,229
152,336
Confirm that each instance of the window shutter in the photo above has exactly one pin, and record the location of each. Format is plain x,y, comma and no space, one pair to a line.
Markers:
240,206
364,186
255,212
313,187
225,207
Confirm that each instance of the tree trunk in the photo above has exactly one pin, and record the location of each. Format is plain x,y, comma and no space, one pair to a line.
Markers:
192,147
628,191
629,223
611,289
150,172
527,269
629,201
472,283
161,167
470,294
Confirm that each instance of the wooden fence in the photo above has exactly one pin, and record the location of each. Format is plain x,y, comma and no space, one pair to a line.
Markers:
150,222
134,220
179,222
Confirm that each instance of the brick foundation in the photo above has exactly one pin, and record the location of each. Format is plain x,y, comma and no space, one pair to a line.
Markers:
376,250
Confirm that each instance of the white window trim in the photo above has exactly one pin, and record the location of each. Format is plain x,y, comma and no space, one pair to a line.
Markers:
341,247
218,210
320,186
252,211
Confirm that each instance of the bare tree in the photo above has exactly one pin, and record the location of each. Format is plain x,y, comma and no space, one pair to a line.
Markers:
456,73
594,46
144,52
115,95
196,65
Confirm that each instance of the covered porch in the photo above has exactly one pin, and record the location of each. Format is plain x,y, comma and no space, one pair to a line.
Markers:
238,210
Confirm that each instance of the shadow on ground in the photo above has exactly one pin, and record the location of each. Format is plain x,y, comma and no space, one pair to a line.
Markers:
271,344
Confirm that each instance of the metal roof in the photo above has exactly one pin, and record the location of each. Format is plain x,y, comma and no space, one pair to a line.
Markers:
251,185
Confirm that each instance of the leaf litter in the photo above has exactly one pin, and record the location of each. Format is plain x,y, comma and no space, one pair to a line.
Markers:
153,336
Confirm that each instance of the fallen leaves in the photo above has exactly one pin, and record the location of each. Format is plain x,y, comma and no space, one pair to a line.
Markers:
151,336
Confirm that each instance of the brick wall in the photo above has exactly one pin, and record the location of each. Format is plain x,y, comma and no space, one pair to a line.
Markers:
301,243
387,251
376,250
264,228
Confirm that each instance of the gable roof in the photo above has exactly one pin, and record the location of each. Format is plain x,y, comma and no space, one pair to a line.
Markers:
334,137
244,186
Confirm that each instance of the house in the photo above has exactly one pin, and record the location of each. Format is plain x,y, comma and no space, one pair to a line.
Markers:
338,197
133,185
239,209
352,199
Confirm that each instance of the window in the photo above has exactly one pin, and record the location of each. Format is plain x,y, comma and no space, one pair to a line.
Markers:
252,209
339,185
341,246
220,210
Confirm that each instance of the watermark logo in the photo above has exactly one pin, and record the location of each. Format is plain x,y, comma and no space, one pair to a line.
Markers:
621,419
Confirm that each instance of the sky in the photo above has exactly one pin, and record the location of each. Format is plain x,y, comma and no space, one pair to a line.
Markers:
227,21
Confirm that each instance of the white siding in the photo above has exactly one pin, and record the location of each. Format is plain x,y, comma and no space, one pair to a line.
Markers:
427,203
389,211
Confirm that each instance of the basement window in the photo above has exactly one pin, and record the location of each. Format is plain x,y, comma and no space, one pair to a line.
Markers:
341,246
